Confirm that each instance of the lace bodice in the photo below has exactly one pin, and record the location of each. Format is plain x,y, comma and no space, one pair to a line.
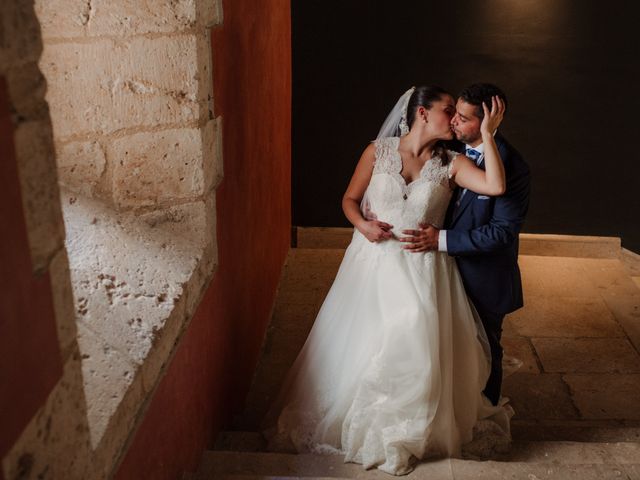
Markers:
403,205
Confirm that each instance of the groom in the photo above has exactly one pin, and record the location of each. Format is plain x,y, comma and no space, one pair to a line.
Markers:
482,232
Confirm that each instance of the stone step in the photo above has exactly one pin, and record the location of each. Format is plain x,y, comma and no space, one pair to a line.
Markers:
579,430
543,460
522,431
240,441
530,243
268,477
215,464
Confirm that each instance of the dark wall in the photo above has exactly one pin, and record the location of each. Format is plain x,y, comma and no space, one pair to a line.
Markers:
570,69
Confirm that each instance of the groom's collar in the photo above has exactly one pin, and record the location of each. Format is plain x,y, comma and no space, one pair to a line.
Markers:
479,148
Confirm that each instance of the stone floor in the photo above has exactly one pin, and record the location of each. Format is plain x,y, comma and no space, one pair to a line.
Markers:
578,338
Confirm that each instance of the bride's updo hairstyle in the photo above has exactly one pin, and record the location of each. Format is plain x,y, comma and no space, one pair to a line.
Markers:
424,96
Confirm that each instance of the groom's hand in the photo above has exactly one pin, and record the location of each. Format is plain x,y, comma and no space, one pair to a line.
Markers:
421,240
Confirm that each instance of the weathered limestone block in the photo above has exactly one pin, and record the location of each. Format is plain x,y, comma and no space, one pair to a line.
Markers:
132,17
201,226
154,168
56,442
128,272
63,18
20,40
80,166
40,194
163,344
133,277
212,153
143,82
204,272
209,12
205,81
107,375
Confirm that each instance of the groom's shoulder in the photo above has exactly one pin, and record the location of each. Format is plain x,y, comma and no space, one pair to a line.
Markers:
510,154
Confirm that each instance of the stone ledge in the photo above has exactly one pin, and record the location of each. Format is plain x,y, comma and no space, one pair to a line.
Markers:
530,243
631,261
569,246
549,460
136,281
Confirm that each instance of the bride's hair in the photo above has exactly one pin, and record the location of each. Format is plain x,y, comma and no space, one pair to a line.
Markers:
425,96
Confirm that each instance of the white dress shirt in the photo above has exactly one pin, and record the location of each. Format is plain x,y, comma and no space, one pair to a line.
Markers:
442,236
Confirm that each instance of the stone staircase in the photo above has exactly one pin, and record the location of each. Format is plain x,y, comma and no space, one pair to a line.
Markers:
576,395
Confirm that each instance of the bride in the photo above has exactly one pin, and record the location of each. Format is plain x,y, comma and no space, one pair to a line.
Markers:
393,369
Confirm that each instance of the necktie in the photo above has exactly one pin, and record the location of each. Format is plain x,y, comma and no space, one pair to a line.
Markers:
475,156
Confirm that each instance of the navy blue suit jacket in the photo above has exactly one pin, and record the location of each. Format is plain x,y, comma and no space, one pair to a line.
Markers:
482,234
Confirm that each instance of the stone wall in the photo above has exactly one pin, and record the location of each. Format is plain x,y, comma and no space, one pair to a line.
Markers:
131,87
121,94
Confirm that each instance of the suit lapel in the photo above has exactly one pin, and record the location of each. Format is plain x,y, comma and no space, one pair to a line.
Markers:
464,203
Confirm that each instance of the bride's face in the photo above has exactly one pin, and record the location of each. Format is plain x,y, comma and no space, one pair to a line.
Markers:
439,117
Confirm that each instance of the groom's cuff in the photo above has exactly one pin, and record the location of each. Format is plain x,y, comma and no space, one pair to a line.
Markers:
442,241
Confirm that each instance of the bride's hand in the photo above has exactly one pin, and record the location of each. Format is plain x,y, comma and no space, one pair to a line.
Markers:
376,231
493,118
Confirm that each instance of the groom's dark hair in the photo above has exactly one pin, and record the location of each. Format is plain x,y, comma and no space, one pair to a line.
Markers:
481,92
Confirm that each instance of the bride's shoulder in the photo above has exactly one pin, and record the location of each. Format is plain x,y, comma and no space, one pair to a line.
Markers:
386,141
383,146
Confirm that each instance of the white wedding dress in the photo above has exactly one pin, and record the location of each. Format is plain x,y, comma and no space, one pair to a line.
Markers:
394,366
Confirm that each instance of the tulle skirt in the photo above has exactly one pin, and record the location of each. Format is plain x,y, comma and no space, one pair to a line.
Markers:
393,368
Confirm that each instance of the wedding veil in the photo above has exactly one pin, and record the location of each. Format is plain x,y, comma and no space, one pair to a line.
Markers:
395,125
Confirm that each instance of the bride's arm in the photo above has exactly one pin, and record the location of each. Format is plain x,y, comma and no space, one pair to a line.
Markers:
374,230
466,174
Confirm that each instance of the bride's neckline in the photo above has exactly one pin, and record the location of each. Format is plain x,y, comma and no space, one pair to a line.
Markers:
396,150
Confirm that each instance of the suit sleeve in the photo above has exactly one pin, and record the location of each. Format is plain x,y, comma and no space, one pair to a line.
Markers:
506,222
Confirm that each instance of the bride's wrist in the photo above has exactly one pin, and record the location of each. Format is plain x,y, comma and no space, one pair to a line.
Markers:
359,224
486,136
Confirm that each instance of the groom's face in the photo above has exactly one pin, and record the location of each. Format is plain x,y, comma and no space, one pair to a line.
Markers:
466,124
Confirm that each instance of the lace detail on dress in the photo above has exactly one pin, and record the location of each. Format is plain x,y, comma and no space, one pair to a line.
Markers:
386,155
436,172
388,160
402,204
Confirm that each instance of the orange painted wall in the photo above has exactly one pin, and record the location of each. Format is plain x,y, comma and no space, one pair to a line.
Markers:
210,374
30,363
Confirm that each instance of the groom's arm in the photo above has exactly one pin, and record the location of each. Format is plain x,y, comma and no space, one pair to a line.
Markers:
504,227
